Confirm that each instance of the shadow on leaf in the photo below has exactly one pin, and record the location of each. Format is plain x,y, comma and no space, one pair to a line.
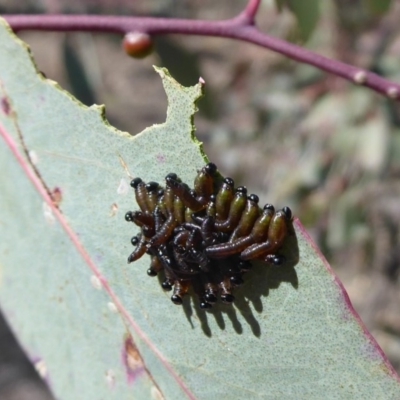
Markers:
258,282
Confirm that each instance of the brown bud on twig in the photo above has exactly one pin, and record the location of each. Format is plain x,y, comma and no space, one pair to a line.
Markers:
137,44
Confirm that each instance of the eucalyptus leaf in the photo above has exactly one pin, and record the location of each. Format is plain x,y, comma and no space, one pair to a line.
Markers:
279,4
98,328
307,15
378,7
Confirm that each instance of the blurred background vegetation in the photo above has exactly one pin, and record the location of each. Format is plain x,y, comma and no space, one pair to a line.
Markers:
294,135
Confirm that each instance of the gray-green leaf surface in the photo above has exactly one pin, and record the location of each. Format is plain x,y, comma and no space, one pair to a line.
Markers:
79,309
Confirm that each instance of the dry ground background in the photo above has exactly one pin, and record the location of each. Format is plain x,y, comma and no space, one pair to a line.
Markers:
293,135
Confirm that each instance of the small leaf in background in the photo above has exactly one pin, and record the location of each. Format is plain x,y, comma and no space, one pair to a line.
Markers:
306,13
378,7
280,4
80,85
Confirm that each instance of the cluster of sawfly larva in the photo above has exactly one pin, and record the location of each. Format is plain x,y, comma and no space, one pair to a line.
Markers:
205,237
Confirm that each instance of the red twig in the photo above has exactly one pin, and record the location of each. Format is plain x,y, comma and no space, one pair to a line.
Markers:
242,27
249,13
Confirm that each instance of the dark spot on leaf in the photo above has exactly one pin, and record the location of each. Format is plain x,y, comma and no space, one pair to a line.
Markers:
5,106
161,158
56,195
132,359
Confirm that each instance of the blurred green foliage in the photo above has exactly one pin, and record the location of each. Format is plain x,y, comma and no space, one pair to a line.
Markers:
378,7
306,13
